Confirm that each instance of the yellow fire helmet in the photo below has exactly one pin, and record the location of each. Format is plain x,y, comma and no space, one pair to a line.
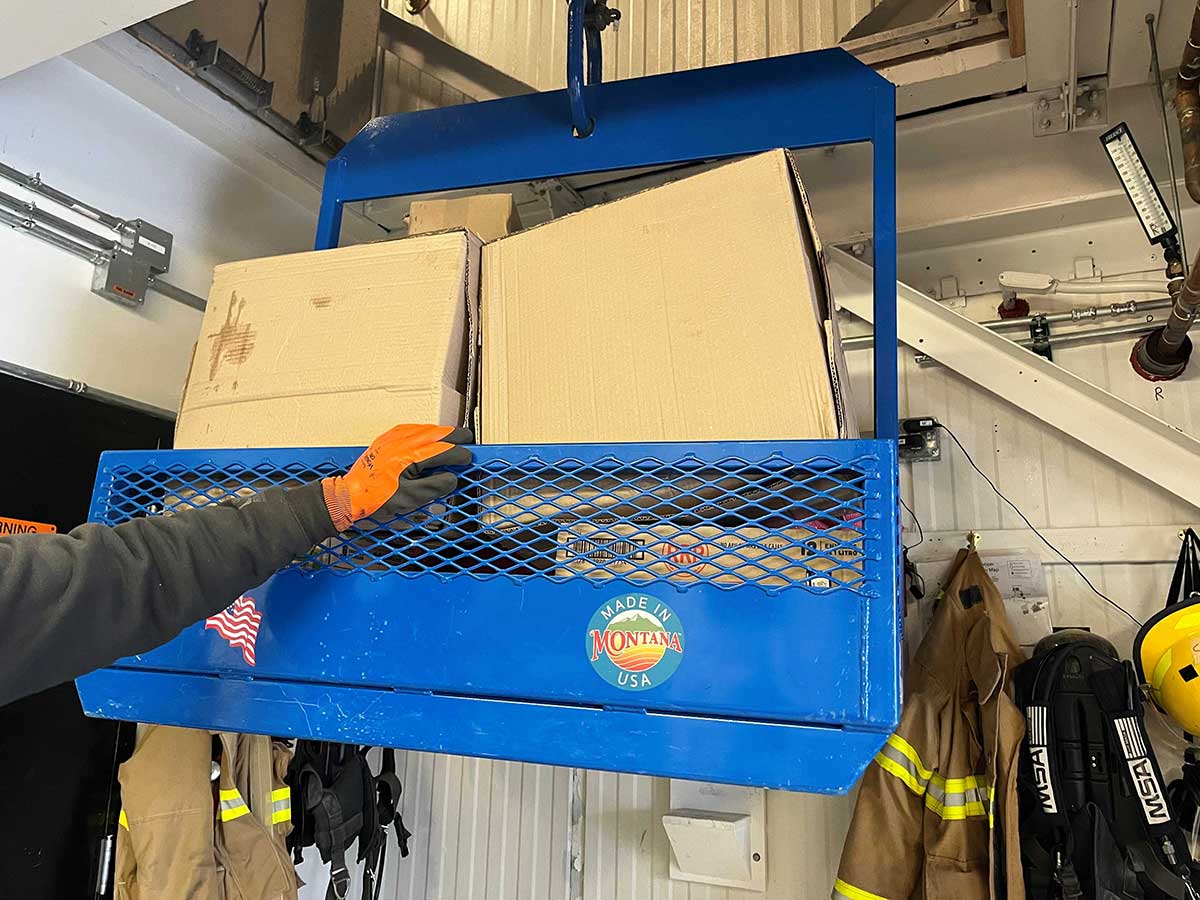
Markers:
1166,652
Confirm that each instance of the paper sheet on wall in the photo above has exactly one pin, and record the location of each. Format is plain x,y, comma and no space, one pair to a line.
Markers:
1016,574
1021,580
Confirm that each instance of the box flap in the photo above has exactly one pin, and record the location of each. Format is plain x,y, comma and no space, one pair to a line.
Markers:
691,311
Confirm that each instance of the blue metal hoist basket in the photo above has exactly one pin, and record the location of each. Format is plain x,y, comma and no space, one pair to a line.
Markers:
717,611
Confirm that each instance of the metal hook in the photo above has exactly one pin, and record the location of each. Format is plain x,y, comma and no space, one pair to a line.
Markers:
973,538
585,20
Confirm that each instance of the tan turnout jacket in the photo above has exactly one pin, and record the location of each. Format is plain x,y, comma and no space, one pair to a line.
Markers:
182,835
936,815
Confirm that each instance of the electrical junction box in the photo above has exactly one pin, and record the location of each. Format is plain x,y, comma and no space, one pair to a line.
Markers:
121,277
718,834
149,244
1027,282
919,440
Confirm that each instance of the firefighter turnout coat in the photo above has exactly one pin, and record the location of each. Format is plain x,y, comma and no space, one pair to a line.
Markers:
183,835
936,815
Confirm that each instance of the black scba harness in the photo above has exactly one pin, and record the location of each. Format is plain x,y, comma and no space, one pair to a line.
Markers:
1095,821
337,801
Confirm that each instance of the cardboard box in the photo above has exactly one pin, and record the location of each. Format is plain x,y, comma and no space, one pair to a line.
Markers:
692,311
490,216
332,348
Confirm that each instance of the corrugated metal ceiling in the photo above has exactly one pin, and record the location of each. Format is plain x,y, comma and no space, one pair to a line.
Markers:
527,39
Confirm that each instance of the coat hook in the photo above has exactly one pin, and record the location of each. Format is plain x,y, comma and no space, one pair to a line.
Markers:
972,540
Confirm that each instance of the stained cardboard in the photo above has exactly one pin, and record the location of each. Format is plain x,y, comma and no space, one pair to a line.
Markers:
693,311
490,216
334,347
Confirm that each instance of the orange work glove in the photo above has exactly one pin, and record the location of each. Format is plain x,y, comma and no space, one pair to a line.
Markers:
391,478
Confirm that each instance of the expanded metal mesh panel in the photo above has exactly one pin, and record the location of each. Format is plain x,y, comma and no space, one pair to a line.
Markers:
769,520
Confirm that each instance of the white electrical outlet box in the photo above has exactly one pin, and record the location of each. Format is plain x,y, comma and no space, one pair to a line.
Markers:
718,834
1027,282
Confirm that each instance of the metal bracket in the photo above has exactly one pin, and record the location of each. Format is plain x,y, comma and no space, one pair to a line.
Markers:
212,63
950,294
1039,335
1091,108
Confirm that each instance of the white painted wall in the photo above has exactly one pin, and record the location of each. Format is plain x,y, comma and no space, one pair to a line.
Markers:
93,141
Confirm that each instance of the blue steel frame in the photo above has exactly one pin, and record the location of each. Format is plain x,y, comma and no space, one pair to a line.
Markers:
827,688
814,99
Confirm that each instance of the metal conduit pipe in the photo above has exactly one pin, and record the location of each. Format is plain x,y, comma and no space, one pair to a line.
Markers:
1075,337
24,222
33,229
1110,287
34,183
70,229
862,341
1187,107
1081,314
1163,354
71,386
178,294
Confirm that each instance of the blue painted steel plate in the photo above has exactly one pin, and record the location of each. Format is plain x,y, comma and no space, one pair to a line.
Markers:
579,604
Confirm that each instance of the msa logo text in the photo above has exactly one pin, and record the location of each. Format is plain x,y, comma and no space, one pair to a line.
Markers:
1041,778
1149,792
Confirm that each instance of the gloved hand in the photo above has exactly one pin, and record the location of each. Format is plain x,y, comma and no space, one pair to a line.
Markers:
390,477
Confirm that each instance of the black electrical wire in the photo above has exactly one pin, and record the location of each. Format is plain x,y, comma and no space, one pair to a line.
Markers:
917,522
260,30
912,576
262,18
1030,525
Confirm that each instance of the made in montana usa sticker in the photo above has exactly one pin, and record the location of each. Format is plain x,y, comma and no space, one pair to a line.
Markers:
635,642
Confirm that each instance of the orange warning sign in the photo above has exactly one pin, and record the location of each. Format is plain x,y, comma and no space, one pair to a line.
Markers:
19,526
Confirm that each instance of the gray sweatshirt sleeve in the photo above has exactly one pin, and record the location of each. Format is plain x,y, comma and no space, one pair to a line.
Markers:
70,603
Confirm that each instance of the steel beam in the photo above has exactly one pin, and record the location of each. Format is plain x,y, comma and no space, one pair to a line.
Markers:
1122,432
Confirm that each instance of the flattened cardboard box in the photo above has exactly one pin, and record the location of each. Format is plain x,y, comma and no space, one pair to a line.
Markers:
489,216
332,348
692,311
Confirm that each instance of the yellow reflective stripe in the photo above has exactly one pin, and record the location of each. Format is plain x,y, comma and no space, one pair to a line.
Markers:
1160,670
991,807
843,889
234,812
283,793
281,815
232,805
959,785
892,767
954,812
909,751
123,820
950,798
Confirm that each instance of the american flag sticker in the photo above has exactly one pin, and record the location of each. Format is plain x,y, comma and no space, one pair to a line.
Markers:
238,623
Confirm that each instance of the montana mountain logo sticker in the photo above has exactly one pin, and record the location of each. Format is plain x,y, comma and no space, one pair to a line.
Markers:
635,642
